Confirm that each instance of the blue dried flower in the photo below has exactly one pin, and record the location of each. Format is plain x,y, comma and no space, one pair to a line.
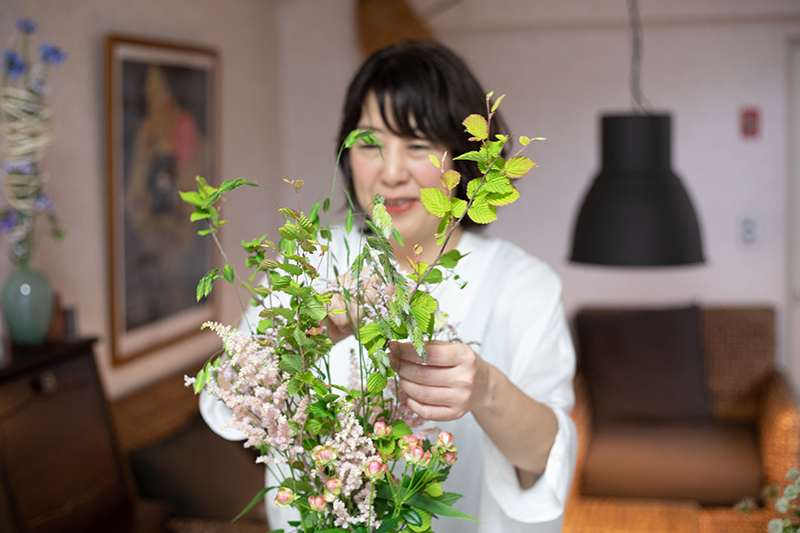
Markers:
26,25
43,203
13,64
20,167
52,54
8,220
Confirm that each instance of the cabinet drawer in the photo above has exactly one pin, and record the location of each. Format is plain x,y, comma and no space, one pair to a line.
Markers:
57,455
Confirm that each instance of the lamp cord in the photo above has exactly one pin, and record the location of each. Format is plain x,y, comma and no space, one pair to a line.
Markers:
636,57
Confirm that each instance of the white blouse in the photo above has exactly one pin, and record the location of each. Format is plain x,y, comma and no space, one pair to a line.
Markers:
511,306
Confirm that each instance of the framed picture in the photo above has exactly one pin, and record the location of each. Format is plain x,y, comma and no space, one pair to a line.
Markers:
161,127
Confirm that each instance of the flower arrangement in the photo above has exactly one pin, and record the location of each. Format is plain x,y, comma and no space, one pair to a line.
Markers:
346,456
26,131
785,502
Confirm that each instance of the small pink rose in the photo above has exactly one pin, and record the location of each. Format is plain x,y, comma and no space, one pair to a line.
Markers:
317,503
449,457
323,455
284,497
381,430
375,469
409,441
445,441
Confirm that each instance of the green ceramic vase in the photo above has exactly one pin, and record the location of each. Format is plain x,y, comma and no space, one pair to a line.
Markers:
27,303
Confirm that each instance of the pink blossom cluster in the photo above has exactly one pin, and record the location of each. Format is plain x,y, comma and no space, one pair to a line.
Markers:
250,383
352,452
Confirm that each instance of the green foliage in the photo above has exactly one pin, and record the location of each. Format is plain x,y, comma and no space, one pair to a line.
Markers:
294,311
785,503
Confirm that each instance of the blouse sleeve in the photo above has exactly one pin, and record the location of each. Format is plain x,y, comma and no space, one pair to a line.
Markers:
541,362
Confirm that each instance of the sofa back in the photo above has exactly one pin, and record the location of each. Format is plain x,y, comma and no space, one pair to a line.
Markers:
739,346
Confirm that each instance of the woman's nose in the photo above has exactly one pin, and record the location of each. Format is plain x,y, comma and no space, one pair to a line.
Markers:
395,168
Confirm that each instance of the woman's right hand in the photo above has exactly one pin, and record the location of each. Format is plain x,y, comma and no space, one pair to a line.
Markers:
340,323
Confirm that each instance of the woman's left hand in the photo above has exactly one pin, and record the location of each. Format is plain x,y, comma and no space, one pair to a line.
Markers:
453,381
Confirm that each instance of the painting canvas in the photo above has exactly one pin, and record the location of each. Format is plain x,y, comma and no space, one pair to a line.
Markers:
161,136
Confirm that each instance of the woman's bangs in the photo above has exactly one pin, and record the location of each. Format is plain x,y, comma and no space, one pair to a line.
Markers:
405,113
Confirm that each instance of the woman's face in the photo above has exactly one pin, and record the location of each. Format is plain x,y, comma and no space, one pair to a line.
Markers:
397,171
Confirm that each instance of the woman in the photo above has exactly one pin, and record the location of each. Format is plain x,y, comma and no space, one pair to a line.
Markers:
507,398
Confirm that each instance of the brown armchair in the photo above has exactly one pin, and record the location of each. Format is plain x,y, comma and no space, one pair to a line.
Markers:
639,474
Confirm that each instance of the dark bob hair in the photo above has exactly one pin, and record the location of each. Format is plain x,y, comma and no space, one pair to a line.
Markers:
420,83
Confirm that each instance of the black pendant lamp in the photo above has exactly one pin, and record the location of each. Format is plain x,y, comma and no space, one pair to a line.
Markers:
637,212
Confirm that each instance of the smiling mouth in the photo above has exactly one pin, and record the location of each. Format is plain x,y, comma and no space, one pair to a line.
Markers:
399,205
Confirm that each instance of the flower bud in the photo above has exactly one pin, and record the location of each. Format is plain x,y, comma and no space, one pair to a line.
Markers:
449,457
284,497
409,441
445,441
417,456
333,487
375,469
323,455
317,503
381,430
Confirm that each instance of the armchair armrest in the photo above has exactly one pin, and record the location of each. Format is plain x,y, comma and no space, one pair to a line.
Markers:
779,429
582,416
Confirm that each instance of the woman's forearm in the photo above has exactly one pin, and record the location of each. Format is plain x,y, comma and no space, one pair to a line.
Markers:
523,429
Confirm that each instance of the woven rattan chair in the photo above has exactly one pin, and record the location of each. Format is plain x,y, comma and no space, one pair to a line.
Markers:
743,386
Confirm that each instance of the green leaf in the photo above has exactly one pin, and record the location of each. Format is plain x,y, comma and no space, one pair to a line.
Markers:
450,179
192,197
471,156
482,212
313,308
289,268
388,525
305,224
423,307
477,126
434,490
369,332
458,207
435,201
400,429
257,498
473,186
376,382
518,166
450,259
199,214
321,410
449,498
397,236
205,284
411,516
291,363
437,507
501,199
227,273
434,160
348,221
497,102
426,522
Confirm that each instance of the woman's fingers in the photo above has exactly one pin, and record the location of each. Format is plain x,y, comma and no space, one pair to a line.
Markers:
447,385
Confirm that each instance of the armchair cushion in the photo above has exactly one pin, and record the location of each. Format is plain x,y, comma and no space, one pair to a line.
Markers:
644,364
686,462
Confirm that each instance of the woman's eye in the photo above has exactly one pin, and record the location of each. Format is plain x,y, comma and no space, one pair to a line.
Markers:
421,147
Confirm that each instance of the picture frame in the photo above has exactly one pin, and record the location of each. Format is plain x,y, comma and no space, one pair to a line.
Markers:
162,121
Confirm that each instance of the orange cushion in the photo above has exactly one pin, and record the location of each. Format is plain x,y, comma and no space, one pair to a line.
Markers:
714,463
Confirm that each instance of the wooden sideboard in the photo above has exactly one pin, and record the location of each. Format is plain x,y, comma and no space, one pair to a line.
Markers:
60,465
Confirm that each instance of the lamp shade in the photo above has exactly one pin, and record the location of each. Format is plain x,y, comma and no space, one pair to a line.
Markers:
636,212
